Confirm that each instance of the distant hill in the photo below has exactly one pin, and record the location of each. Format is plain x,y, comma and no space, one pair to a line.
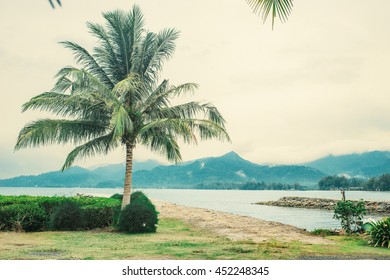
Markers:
111,175
229,168
367,165
73,177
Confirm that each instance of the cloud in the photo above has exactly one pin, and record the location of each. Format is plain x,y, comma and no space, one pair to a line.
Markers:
241,174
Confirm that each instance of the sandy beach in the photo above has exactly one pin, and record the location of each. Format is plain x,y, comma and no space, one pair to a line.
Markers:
236,227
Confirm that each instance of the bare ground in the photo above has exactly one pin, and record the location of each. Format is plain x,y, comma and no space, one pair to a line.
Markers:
236,227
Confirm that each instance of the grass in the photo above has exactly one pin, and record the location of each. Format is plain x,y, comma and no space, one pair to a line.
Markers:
174,240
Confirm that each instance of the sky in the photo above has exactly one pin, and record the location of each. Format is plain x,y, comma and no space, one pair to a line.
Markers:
313,86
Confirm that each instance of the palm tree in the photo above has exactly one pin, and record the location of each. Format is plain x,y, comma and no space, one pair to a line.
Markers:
115,99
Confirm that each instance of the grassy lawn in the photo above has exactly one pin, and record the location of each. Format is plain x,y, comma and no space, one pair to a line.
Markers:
174,240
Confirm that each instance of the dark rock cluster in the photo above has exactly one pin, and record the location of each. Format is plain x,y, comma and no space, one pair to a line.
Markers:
373,207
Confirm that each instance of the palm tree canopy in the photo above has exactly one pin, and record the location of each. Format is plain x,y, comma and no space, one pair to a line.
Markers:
115,98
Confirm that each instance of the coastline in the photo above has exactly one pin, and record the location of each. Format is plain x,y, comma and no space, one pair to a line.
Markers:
236,227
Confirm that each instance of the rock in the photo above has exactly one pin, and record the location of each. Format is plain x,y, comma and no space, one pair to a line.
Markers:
372,207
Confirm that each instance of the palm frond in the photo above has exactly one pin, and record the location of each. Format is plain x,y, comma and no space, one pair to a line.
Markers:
210,130
191,110
160,97
160,51
78,80
105,52
130,91
161,141
99,145
52,4
186,129
280,8
83,57
48,131
143,54
121,123
121,42
82,105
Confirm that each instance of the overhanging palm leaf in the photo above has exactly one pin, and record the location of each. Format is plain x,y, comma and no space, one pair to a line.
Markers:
280,8
52,4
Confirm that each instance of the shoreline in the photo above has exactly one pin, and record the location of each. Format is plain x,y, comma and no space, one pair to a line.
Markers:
236,227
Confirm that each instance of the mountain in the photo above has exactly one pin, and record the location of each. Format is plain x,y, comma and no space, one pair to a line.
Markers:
74,177
104,176
113,175
369,164
229,168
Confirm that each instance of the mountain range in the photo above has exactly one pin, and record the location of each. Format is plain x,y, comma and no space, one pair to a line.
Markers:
363,165
229,168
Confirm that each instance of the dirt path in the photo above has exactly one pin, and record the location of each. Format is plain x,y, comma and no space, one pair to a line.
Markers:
236,227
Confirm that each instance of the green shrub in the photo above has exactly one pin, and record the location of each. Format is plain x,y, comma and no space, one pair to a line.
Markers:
50,203
117,196
139,197
100,217
137,218
379,232
350,214
324,232
23,217
67,216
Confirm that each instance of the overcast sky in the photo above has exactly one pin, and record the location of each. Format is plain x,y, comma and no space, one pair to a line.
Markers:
316,85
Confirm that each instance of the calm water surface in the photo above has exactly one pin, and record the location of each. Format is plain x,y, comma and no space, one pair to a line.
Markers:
230,201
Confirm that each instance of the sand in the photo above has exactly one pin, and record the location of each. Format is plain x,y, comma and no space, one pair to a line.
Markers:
236,227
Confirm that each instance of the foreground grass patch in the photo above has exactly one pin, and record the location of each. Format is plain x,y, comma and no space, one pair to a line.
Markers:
173,240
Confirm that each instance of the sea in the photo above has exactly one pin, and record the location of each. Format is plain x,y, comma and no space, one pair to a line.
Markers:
230,201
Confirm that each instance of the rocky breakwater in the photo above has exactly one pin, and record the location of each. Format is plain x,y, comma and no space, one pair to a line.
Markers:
373,207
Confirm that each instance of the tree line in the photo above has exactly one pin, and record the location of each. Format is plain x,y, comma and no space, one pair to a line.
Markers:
379,183
249,186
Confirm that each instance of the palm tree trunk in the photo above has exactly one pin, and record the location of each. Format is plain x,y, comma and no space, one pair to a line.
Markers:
128,175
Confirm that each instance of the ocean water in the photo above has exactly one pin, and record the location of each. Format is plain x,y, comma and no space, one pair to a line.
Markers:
230,201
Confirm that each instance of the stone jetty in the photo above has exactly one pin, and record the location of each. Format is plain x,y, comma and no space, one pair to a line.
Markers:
373,207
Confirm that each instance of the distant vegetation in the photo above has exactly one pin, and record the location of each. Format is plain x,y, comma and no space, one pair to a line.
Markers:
379,183
250,186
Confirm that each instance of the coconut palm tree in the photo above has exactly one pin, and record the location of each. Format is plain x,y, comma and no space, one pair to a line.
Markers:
115,98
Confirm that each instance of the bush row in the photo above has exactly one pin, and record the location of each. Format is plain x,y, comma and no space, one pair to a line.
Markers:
36,213
28,213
